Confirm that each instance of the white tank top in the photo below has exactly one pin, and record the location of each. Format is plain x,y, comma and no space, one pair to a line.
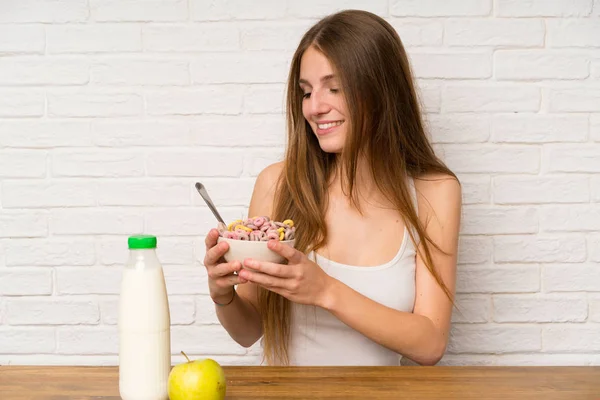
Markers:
319,338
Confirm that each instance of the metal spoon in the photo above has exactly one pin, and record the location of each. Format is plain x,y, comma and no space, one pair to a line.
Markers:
202,190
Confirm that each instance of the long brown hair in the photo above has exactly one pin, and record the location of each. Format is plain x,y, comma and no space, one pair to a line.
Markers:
386,129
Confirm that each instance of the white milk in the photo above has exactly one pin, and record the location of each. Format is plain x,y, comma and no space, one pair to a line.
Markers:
144,327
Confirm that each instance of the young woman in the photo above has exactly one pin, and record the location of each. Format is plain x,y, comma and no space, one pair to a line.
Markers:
371,278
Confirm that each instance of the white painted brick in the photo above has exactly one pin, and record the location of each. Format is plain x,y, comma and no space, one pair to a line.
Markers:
25,282
594,315
170,251
186,280
571,158
436,65
596,10
511,360
490,98
541,248
265,99
98,163
571,278
88,280
58,11
45,133
176,251
430,96
539,64
144,193
23,164
539,128
494,339
257,160
535,308
205,311
451,128
322,8
227,192
594,247
49,252
573,32
543,8
17,103
199,249
251,67
182,310
141,133
433,8
22,39
492,159
225,100
189,38
595,127
571,338
471,309
544,189
475,249
475,189
240,131
190,163
112,251
51,311
144,71
95,221
201,10
27,340
595,184
23,224
274,36
418,32
208,339
570,218
139,10
93,38
33,70
48,194
94,104
498,279
87,340
574,99
186,222
499,220
494,32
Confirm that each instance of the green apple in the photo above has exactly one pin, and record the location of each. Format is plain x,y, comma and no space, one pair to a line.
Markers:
197,380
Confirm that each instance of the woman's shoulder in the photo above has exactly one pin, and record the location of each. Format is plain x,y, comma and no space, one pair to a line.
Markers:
264,189
438,193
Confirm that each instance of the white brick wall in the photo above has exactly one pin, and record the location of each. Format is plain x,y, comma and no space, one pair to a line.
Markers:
111,110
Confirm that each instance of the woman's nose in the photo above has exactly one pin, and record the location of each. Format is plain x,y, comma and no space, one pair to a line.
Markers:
318,105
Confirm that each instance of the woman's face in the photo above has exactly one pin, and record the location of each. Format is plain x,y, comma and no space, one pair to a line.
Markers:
323,104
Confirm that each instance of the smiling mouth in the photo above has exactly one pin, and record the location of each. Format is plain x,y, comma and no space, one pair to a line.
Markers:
329,124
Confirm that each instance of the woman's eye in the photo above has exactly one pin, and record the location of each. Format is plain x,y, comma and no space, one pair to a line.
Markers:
306,95
334,90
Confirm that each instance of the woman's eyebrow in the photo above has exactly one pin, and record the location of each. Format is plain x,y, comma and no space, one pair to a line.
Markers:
323,79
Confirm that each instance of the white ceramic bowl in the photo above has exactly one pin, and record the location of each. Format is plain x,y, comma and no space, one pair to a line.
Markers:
241,249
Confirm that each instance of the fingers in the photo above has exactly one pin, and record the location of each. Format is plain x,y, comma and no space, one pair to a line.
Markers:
285,250
224,269
268,281
214,254
269,268
211,239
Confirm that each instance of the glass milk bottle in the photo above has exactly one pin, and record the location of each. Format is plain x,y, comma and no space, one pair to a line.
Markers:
144,324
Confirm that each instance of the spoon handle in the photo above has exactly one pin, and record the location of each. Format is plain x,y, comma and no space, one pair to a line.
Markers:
200,188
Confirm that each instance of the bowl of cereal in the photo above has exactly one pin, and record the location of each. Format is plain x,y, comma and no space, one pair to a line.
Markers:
248,238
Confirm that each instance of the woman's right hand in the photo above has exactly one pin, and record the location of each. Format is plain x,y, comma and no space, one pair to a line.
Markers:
222,275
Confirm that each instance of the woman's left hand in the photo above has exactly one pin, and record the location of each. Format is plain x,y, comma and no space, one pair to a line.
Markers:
301,280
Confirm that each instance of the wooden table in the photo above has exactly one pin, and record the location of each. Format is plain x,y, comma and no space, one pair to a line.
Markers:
546,383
